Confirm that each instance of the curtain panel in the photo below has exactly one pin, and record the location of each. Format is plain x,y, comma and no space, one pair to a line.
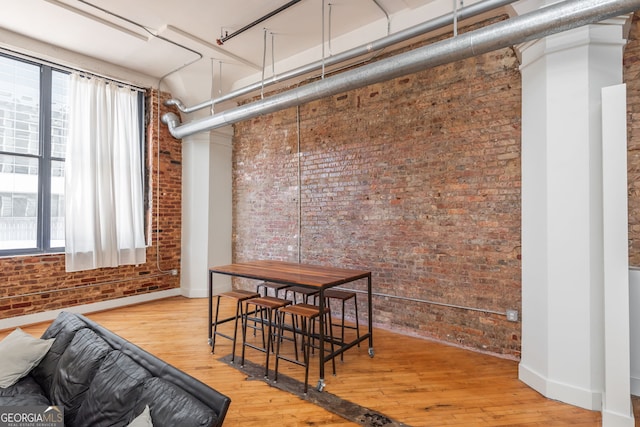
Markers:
104,212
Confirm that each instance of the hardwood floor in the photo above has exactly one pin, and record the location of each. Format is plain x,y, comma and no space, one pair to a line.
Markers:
411,380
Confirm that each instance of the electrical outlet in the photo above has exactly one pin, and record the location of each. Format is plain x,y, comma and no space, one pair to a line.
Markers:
174,272
512,315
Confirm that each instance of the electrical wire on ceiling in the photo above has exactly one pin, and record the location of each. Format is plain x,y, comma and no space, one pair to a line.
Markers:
151,33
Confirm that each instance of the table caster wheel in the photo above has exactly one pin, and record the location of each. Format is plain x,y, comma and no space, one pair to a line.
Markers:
371,353
320,386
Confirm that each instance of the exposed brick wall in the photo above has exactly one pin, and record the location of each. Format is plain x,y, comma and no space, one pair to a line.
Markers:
32,284
632,80
416,179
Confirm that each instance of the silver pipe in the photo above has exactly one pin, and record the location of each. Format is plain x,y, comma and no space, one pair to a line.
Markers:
543,22
376,45
425,301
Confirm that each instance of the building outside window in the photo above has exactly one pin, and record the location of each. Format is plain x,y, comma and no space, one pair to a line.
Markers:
33,131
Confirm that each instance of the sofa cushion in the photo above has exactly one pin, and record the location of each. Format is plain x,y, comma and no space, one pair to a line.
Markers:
113,392
25,392
172,406
63,329
76,369
19,353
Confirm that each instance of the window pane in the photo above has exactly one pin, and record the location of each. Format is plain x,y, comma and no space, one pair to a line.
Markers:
18,202
59,113
57,205
19,106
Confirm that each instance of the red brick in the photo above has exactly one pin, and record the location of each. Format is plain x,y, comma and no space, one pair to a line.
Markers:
25,278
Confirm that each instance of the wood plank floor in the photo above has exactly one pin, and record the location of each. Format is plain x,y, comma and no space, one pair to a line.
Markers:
411,380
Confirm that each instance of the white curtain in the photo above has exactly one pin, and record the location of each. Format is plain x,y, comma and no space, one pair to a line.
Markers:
104,212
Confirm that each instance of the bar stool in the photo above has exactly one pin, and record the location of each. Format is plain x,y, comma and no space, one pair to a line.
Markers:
303,317
306,293
239,296
343,296
263,288
266,307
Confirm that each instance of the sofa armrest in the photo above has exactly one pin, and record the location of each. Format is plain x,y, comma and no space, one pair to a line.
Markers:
209,397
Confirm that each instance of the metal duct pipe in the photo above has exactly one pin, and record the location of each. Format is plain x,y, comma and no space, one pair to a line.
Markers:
543,22
377,45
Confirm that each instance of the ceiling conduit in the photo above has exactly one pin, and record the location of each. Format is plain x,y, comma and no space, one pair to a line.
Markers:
543,22
221,40
375,46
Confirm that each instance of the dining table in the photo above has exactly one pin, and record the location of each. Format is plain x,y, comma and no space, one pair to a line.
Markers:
317,277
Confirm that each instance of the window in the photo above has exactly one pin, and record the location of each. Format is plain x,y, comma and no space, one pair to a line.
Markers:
33,118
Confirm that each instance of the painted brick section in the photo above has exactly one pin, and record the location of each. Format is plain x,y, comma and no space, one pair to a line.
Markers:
32,284
416,179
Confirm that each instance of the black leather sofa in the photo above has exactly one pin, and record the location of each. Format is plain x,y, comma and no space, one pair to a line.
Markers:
101,379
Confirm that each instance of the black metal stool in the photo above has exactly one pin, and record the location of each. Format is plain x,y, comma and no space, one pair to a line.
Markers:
303,317
266,308
263,288
239,296
300,290
343,296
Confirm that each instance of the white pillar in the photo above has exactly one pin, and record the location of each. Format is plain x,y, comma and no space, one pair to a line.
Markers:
562,209
220,205
195,211
206,211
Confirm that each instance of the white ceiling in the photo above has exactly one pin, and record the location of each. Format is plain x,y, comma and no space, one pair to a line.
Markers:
143,35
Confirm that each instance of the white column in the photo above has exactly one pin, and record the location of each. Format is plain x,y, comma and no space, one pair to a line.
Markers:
220,205
562,209
206,211
195,215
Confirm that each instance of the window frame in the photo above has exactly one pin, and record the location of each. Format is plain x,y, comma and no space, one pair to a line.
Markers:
46,158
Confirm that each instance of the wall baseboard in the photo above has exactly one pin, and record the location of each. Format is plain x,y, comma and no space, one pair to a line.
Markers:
613,419
194,293
46,316
567,393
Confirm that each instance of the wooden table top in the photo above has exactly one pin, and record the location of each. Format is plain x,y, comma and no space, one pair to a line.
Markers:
292,273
